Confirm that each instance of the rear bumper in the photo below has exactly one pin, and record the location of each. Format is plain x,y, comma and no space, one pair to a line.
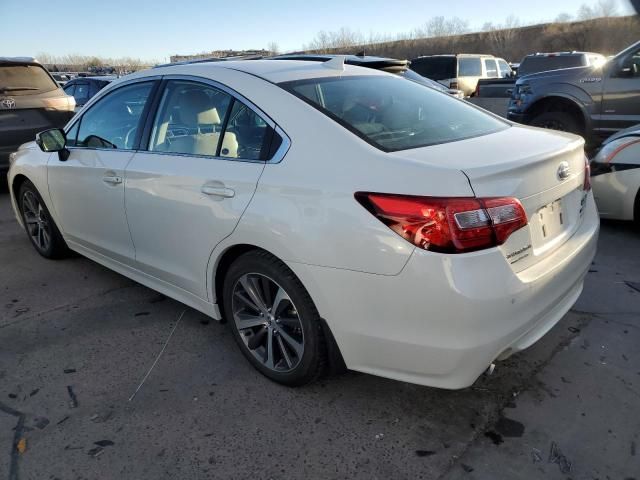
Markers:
445,318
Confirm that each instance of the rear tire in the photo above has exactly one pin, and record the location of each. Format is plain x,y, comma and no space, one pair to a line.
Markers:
561,121
39,225
273,319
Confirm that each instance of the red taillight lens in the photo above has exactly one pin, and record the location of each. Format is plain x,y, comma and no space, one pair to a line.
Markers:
448,225
587,175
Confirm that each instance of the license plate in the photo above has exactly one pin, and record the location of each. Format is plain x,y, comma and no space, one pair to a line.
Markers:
552,221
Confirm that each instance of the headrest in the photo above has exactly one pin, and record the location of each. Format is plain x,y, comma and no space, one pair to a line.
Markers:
209,117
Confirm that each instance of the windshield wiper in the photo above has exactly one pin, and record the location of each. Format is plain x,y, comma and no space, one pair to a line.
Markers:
16,89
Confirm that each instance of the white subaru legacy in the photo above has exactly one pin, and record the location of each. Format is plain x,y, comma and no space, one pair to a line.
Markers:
332,215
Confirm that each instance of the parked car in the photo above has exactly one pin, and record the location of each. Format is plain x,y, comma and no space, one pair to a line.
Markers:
615,176
461,71
84,88
60,78
391,65
593,101
537,62
329,213
30,101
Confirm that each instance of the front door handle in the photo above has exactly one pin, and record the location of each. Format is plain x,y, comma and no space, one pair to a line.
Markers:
216,191
112,179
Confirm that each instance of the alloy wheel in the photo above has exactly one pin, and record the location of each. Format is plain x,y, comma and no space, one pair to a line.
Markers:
36,221
268,322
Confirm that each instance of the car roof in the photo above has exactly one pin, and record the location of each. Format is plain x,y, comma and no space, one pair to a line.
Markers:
274,71
20,60
560,54
100,78
452,55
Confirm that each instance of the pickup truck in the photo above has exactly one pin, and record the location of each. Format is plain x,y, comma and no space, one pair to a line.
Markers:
535,63
594,101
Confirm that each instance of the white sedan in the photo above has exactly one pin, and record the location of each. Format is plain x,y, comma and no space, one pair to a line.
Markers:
331,214
615,173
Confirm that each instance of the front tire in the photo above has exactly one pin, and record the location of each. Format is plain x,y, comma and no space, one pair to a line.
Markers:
273,319
39,225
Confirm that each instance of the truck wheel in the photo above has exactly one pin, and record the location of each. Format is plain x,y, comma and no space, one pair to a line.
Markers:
557,121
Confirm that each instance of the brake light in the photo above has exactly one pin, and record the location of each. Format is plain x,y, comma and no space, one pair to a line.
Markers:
586,186
447,225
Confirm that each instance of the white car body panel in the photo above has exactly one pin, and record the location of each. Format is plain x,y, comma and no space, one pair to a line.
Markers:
395,310
616,192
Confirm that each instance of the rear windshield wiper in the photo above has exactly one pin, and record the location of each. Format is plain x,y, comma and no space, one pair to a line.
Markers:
16,89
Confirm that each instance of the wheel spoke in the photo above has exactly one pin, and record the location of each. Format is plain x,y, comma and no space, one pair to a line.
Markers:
285,354
279,302
249,287
247,301
292,342
249,321
269,359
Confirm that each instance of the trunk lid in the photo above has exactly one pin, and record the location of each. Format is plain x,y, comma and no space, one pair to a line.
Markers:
541,168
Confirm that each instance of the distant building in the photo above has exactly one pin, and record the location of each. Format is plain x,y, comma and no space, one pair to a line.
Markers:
218,54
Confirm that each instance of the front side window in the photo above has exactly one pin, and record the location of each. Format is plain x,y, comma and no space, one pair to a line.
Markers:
393,114
469,67
114,120
82,93
633,63
190,119
504,68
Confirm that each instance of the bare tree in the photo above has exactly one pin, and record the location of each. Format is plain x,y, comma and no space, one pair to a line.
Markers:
273,48
563,17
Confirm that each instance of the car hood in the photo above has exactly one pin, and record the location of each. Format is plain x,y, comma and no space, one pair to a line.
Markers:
560,74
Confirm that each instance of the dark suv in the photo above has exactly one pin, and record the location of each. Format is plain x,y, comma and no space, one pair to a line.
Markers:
30,101
594,101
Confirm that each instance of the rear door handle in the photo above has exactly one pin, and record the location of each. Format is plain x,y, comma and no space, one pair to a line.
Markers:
223,192
112,179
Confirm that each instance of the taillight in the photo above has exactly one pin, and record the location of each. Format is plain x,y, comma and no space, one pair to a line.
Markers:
586,186
447,225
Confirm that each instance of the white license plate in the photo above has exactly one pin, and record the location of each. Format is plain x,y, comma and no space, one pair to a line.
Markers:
552,221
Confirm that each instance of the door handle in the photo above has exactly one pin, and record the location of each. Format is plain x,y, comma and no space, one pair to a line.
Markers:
112,179
223,192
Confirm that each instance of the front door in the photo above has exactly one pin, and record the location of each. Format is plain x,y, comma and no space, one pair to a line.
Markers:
87,189
621,95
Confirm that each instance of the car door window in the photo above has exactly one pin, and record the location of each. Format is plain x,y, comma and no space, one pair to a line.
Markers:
633,63
246,135
69,89
189,120
491,68
82,93
113,121
504,68
469,67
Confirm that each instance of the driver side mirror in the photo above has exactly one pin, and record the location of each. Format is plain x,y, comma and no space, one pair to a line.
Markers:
53,140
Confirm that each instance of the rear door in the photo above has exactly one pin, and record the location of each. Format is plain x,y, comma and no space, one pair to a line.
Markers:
206,151
30,101
88,188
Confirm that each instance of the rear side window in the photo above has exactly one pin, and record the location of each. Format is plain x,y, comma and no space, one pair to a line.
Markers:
25,80
435,68
469,67
545,63
393,114
491,67
504,68
81,93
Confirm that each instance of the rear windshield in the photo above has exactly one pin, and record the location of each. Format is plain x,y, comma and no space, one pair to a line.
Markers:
543,63
435,68
394,114
25,80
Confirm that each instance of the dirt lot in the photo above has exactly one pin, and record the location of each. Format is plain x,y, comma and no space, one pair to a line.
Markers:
76,340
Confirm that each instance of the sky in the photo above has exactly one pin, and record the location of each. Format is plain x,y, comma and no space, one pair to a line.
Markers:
156,29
